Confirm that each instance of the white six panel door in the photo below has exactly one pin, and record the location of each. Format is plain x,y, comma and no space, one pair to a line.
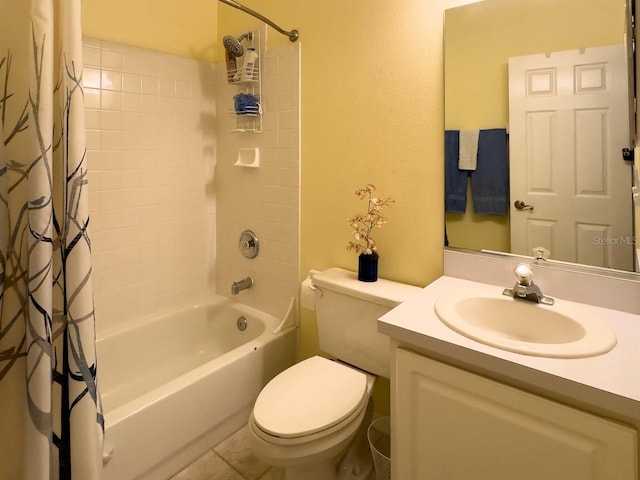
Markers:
568,123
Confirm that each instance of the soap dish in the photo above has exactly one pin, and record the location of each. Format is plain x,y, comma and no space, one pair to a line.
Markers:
248,157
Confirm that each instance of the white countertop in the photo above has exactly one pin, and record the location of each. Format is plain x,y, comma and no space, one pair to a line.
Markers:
609,382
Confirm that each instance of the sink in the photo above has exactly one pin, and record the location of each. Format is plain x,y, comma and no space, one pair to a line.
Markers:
563,330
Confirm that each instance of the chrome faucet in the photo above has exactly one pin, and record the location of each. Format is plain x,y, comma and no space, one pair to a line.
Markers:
525,288
241,285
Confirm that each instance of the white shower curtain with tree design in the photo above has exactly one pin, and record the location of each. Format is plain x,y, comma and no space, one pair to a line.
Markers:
51,424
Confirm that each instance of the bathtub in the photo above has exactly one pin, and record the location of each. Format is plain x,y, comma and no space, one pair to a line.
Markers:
174,386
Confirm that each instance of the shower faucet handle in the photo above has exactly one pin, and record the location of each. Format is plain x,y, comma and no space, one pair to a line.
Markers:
248,244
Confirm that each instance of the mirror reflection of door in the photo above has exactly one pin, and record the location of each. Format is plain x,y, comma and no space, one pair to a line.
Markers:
479,40
567,121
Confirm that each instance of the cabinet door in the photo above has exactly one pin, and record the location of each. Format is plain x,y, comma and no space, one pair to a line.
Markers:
450,424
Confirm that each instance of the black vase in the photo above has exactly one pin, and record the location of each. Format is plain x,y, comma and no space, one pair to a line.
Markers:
368,267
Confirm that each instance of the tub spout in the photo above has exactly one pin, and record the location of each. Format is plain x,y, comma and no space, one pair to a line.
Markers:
241,285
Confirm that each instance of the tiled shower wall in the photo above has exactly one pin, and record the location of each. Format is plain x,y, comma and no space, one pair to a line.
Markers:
158,197
150,120
264,199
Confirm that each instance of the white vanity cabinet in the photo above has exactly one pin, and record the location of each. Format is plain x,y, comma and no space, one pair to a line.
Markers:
450,424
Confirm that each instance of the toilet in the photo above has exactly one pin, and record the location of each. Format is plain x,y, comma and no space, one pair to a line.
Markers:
311,419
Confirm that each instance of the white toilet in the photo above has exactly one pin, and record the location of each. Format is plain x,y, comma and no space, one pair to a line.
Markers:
306,418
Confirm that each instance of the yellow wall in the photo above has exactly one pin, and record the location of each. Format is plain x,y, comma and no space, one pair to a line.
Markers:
186,27
479,39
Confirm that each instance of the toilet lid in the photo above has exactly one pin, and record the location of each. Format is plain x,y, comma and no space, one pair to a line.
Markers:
309,397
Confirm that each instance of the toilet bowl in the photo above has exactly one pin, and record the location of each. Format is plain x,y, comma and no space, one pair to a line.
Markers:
305,419
311,419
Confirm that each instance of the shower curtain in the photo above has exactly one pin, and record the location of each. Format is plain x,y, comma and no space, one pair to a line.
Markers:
51,424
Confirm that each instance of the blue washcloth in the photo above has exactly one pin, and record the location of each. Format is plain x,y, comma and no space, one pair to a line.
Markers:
246,104
490,181
455,180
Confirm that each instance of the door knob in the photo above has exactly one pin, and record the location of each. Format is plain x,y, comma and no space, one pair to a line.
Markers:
520,205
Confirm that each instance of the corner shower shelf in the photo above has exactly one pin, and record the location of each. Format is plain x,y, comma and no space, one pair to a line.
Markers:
248,124
235,73
249,118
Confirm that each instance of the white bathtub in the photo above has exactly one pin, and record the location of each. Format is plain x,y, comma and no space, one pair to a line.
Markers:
174,386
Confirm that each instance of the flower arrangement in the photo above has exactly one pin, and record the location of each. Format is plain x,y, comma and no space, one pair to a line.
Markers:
363,223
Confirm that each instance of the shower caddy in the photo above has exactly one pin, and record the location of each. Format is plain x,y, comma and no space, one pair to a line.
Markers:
250,118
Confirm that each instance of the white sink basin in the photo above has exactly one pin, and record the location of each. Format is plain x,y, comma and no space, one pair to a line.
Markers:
563,330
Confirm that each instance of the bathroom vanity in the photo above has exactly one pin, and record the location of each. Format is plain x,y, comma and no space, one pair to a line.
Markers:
468,404
463,409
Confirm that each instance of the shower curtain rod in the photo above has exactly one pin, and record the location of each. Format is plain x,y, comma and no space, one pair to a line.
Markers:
293,34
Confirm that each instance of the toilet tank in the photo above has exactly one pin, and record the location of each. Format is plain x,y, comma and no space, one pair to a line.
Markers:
347,311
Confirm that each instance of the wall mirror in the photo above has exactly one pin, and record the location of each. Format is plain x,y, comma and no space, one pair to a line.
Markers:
511,66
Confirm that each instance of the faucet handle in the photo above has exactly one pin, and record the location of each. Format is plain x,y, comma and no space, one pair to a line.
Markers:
541,253
524,274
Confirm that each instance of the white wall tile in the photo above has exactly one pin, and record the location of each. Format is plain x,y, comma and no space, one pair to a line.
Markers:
91,56
167,205
111,80
167,87
148,205
112,59
91,77
93,139
111,100
131,62
150,85
131,82
266,199
92,98
92,119
183,89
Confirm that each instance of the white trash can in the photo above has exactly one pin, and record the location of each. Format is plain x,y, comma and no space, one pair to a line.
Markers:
379,435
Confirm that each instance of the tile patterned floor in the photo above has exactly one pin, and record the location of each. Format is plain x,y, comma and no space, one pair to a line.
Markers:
231,459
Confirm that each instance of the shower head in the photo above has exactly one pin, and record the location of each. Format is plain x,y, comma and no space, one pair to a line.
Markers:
233,45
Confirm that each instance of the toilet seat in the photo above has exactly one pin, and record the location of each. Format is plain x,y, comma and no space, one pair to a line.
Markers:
310,397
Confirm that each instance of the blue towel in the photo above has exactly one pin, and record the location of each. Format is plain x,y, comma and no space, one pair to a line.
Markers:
490,181
455,180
